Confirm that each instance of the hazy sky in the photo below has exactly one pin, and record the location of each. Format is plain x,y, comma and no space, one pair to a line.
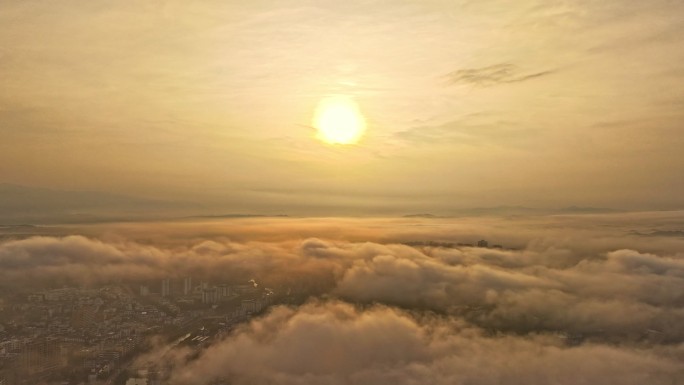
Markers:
468,103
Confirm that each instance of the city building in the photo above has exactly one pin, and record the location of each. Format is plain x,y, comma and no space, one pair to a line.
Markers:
249,306
482,243
223,291
187,286
83,316
40,356
166,287
210,295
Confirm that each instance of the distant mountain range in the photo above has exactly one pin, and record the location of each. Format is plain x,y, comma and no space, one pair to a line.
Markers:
515,210
23,204
421,216
37,205
660,233
218,216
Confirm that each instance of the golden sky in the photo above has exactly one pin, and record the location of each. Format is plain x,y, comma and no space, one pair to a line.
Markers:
467,103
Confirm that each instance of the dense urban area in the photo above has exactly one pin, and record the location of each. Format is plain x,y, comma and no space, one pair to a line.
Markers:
73,335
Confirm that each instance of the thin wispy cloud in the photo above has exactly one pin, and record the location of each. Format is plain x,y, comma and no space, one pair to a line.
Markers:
492,75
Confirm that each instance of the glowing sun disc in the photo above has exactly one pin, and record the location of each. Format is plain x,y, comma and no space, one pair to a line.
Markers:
339,120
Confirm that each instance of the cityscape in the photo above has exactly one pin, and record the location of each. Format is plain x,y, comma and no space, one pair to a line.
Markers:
93,336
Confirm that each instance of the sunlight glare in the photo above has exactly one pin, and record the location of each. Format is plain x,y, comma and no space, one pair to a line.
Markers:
339,120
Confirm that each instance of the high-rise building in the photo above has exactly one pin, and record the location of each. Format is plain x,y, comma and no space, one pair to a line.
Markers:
249,306
40,355
187,286
166,287
144,291
83,316
223,291
136,381
210,295
482,243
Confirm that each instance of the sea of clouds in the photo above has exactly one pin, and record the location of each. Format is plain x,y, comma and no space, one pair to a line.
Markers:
580,299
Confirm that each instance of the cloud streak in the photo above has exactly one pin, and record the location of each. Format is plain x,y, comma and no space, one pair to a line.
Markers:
492,75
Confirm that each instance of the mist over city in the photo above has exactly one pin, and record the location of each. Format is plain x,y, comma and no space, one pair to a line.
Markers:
340,300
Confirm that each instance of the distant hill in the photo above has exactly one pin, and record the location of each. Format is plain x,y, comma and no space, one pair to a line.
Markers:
660,233
420,216
218,216
515,210
575,209
24,204
502,210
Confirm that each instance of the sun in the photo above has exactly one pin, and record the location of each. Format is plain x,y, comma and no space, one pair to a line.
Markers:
339,120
